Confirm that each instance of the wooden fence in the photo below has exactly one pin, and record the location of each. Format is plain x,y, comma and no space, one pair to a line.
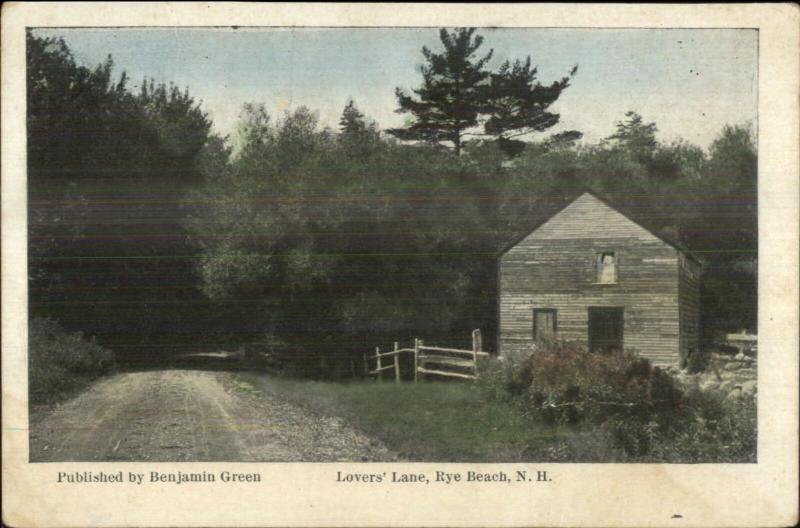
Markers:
429,360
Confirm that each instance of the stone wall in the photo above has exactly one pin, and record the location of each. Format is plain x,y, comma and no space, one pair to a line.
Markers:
735,376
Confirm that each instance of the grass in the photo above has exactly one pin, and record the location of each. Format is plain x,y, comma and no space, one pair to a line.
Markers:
61,363
424,421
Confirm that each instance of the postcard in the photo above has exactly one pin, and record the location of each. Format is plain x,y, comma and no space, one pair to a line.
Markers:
399,265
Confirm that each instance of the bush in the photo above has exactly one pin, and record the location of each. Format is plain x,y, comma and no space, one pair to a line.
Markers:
504,377
623,407
59,361
569,384
710,428
698,361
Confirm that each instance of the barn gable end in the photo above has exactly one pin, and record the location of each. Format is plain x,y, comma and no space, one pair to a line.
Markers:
552,276
588,218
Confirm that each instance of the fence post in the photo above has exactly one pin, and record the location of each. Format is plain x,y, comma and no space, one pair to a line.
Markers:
419,349
396,363
416,358
380,372
477,344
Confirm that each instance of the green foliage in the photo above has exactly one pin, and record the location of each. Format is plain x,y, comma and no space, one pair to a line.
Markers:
710,429
517,104
636,136
452,92
335,237
425,421
356,136
567,383
159,127
707,202
59,362
458,93
107,166
308,229
314,237
456,422
505,377
733,160
697,360
621,408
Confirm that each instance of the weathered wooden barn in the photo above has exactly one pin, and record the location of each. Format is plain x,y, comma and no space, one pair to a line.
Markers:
592,274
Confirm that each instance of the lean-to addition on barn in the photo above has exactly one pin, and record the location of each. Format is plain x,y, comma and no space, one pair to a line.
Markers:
593,275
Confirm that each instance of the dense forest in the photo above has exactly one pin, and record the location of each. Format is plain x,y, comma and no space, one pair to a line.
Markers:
153,233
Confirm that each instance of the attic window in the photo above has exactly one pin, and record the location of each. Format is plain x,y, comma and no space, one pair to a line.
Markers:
606,267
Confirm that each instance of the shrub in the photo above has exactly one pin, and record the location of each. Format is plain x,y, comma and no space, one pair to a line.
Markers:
621,407
504,377
59,361
569,384
596,445
698,360
710,428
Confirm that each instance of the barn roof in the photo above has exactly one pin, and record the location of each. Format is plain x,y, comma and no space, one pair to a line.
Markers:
608,201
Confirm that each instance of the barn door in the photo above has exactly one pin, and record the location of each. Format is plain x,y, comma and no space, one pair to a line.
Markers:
605,329
544,325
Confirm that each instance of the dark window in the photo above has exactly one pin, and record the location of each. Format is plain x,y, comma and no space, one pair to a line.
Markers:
606,328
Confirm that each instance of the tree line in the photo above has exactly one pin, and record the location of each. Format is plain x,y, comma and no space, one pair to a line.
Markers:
150,231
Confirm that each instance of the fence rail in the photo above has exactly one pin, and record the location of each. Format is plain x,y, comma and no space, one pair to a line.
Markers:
430,360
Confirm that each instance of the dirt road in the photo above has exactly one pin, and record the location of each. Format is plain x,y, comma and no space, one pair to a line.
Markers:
191,415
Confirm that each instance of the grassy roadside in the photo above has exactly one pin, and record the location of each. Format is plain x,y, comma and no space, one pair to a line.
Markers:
61,363
424,421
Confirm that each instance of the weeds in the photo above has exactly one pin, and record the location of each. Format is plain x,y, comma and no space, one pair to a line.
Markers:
60,362
624,408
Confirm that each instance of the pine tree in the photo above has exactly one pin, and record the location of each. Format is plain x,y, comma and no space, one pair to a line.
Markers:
452,94
352,121
458,93
356,135
636,135
517,104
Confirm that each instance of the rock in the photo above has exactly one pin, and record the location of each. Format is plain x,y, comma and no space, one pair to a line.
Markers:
739,357
708,385
747,374
733,365
749,387
734,394
725,386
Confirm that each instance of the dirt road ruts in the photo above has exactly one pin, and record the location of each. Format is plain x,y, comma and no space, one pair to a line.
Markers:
192,415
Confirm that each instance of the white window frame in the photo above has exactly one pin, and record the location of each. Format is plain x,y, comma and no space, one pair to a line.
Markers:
598,266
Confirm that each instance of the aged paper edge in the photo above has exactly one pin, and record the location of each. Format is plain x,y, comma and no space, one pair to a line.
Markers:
762,494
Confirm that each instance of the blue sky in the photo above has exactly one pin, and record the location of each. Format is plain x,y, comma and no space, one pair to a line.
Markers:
689,82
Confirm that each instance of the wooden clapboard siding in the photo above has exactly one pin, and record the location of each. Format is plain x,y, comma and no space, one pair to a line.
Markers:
554,267
588,217
689,275
569,266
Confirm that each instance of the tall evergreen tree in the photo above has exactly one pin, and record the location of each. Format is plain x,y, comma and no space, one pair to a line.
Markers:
517,104
356,135
352,121
453,91
636,136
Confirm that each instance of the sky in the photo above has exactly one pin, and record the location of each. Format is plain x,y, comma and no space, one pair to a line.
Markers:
689,82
